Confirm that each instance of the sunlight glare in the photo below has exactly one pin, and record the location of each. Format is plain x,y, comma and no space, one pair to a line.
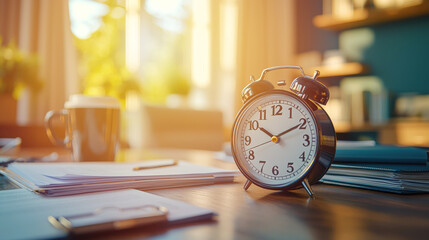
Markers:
169,13
201,64
85,17
132,35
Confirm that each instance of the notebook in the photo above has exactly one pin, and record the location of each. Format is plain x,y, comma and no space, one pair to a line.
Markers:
25,215
59,179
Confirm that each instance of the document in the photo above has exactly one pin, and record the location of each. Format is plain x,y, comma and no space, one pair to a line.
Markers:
396,169
59,179
387,178
24,215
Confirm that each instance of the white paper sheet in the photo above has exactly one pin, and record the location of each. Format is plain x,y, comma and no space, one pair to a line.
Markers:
70,178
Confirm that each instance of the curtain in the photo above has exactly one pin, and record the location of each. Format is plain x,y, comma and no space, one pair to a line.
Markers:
266,38
42,27
243,38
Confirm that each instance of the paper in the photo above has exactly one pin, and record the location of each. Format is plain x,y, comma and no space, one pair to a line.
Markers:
57,179
379,184
383,168
24,215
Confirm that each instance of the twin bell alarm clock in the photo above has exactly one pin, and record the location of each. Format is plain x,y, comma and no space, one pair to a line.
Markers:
283,140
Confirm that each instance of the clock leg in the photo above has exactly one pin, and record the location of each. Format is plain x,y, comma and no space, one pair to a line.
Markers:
307,187
247,185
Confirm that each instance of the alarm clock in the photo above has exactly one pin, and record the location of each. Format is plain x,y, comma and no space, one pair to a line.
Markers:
283,140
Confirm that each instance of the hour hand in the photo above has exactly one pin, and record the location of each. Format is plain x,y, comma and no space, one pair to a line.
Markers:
266,132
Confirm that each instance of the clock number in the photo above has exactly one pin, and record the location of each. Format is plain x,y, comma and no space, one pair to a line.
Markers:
307,140
253,125
263,164
262,114
290,167
276,170
290,112
247,140
302,156
279,110
251,155
303,123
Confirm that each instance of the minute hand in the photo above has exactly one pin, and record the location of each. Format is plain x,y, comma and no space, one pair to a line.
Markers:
290,129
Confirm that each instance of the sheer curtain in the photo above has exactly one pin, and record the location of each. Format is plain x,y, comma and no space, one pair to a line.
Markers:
236,39
266,38
42,27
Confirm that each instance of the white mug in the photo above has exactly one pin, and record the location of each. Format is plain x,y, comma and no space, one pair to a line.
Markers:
92,127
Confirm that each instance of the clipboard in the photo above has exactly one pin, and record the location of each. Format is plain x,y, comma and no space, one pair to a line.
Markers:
110,218
89,213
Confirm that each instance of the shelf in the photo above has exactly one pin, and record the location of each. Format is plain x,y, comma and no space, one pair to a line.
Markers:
344,127
405,132
365,17
346,69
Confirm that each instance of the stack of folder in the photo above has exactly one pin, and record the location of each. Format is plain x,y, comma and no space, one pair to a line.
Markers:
59,179
403,170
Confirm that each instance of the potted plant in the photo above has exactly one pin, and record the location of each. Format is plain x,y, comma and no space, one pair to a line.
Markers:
18,70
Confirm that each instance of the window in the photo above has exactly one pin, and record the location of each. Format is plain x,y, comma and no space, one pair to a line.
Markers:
180,52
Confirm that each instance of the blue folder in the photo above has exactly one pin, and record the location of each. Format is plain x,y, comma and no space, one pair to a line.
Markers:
395,169
381,154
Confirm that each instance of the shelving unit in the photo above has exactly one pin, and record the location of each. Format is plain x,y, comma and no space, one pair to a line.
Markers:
366,17
407,131
342,70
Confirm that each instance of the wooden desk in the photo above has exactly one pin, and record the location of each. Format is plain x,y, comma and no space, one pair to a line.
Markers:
336,213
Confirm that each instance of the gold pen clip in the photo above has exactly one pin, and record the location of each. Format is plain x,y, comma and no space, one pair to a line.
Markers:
174,163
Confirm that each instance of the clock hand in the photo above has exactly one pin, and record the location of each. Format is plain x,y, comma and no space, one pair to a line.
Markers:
290,129
266,132
274,138
258,145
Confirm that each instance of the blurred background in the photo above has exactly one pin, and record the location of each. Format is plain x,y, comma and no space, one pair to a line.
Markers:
178,66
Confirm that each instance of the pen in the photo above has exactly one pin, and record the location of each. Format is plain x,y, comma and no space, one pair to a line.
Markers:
175,162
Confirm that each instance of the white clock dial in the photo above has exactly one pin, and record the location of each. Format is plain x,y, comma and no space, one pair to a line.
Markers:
276,139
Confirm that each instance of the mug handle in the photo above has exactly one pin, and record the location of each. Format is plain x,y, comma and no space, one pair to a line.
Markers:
50,131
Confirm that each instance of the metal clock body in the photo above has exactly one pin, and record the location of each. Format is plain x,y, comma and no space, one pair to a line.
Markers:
283,139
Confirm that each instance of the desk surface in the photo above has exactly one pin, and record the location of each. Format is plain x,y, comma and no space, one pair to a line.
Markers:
335,213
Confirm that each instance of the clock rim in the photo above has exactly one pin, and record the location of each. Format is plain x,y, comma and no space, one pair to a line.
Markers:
292,184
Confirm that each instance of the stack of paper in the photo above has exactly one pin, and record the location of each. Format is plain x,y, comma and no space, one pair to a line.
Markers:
56,179
384,168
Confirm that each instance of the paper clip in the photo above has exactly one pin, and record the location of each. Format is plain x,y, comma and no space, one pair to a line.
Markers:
110,218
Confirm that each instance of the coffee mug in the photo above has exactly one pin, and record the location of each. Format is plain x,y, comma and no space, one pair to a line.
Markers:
92,127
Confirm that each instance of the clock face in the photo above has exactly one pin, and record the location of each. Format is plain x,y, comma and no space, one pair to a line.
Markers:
275,139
